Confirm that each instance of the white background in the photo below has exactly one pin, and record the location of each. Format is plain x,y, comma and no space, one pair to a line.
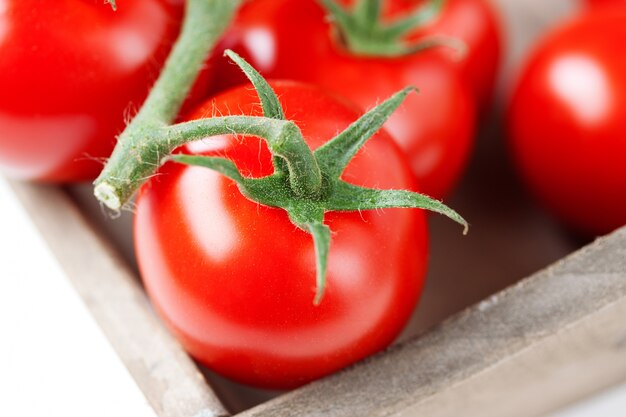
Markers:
54,360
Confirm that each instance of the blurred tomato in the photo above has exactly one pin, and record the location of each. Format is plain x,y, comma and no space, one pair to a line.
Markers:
71,72
566,121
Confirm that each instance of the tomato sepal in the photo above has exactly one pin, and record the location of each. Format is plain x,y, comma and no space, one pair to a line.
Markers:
364,34
320,171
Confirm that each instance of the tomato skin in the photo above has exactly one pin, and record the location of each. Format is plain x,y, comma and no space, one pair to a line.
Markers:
477,24
291,39
602,3
566,122
235,280
71,71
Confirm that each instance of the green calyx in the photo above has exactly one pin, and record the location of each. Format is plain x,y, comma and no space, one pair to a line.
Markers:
363,33
308,184
112,4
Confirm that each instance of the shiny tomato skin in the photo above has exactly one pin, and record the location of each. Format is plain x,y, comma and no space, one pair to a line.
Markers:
292,39
235,280
566,122
71,72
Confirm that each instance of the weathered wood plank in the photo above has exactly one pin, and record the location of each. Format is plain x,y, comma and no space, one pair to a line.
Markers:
544,342
163,371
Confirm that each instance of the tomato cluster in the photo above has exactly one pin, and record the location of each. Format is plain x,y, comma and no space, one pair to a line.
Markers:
233,277
234,280
236,286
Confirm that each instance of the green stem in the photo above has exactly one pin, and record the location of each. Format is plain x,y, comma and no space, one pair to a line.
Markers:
140,161
205,21
283,138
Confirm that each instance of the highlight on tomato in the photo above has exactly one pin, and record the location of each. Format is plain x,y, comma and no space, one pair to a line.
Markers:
566,122
284,261
295,39
71,73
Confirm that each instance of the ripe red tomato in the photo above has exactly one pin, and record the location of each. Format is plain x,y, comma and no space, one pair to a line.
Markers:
292,39
70,72
566,122
235,280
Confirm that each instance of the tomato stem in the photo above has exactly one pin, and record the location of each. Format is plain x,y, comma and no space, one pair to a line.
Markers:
134,159
362,31
283,138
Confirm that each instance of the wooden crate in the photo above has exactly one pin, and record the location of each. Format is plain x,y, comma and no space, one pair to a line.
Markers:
489,343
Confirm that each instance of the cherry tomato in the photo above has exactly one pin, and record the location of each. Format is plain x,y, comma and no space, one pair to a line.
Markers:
566,122
71,72
292,39
235,280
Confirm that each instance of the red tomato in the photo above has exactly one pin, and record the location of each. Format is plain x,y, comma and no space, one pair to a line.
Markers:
71,71
566,122
235,280
292,39
596,3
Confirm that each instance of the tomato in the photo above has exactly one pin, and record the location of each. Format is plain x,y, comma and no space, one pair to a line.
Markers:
566,122
71,72
235,280
597,3
292,39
